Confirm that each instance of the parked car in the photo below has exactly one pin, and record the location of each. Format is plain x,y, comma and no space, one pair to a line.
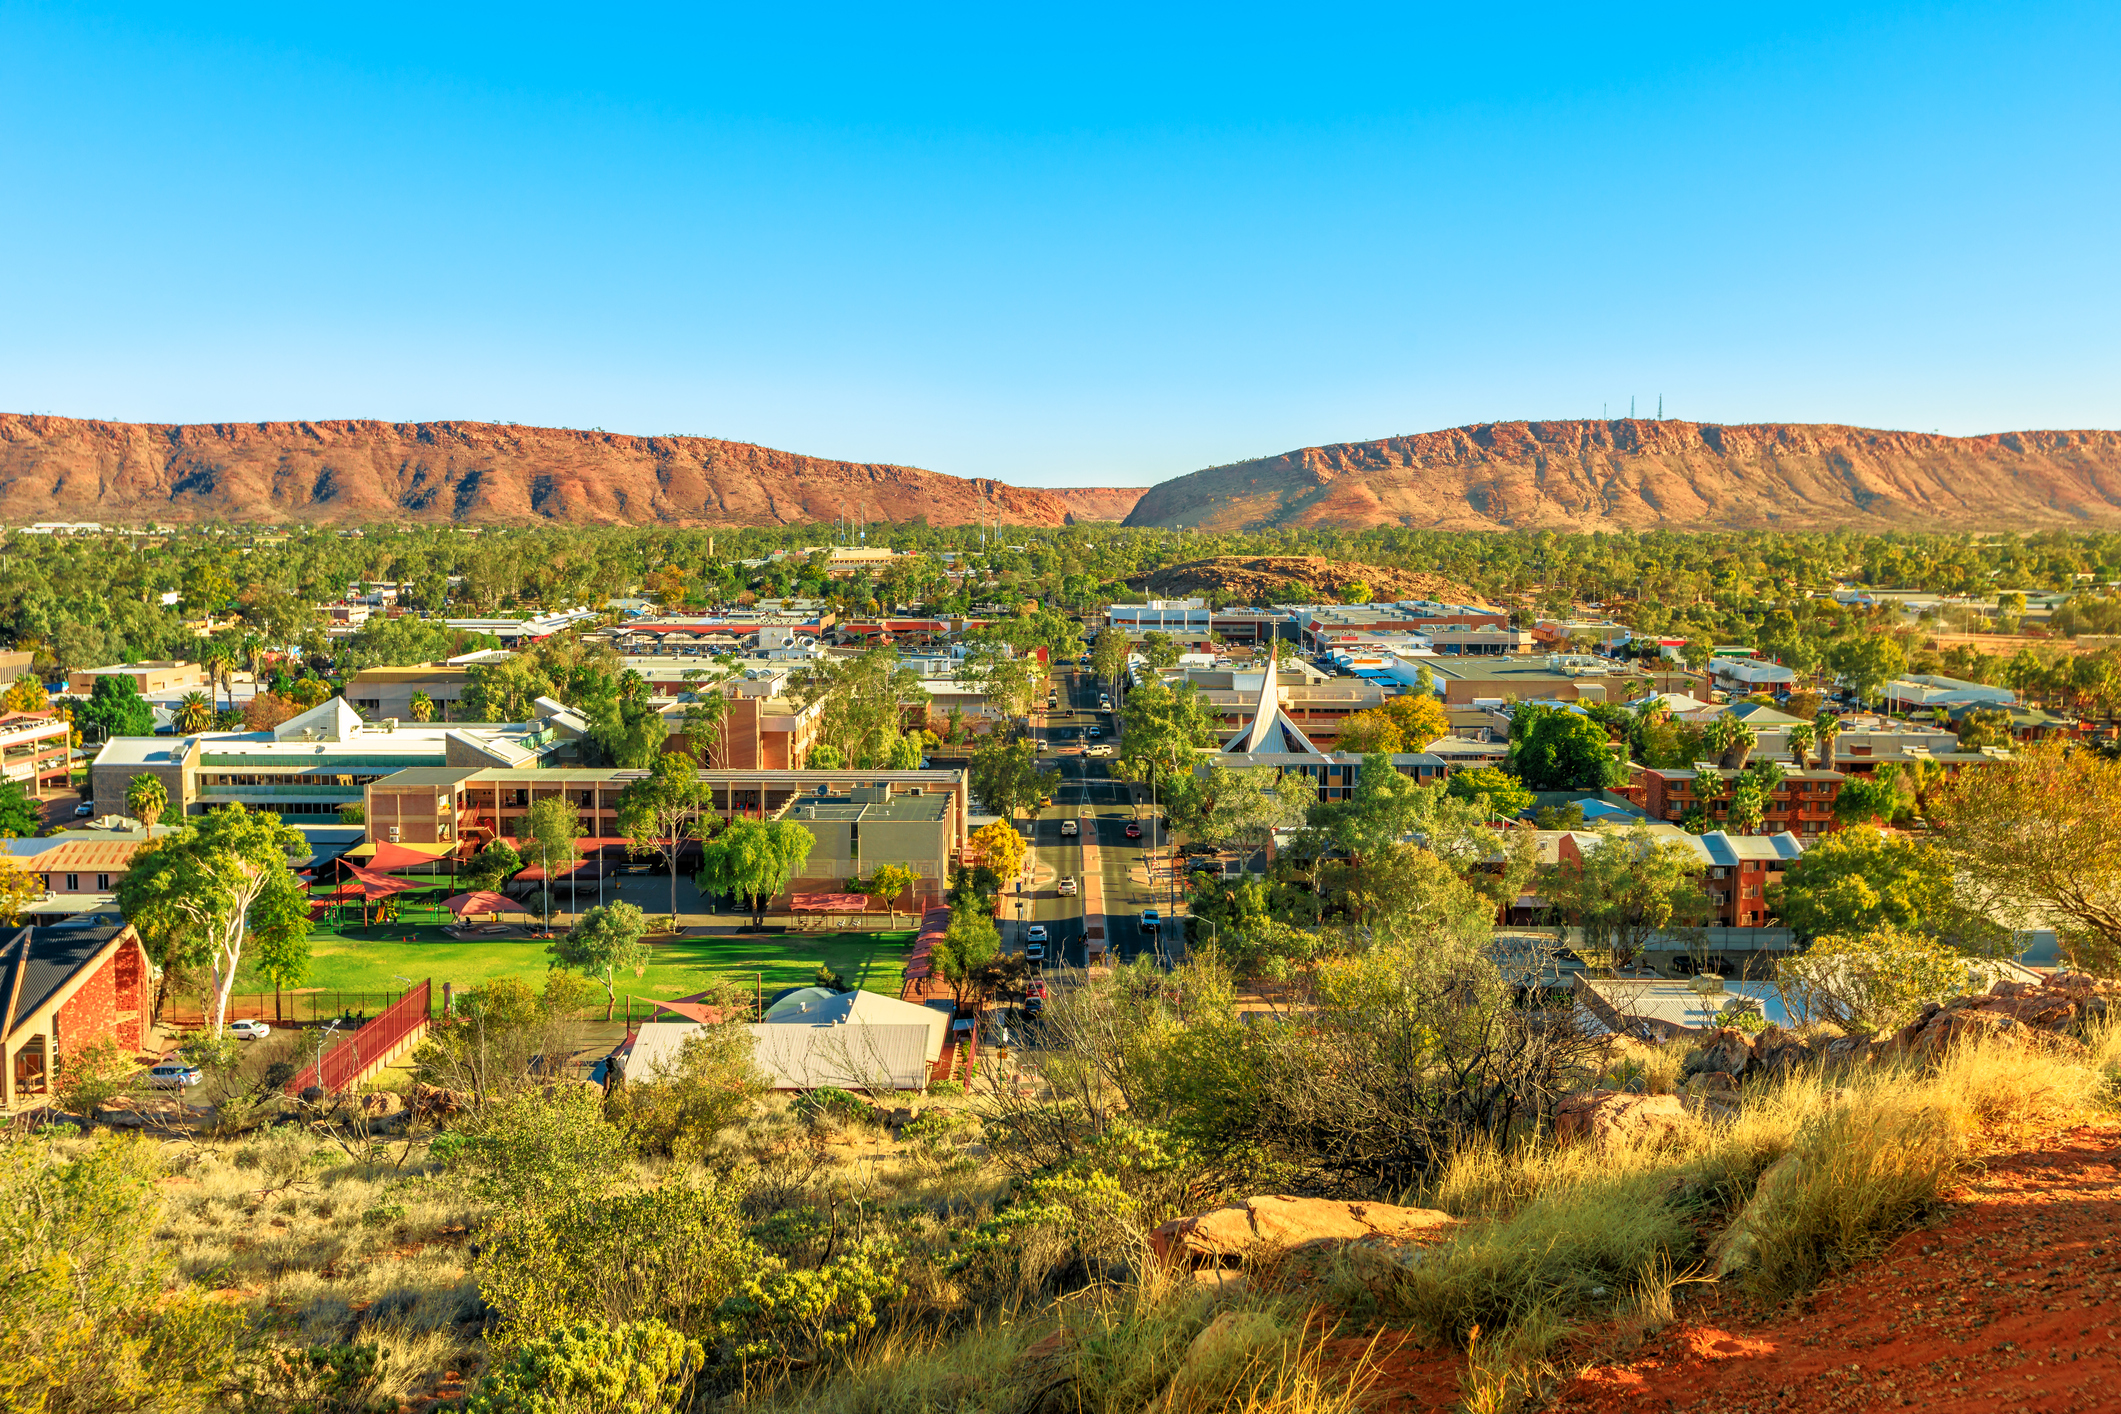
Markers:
1134,829
1067,884
1071,827
175,1076
1037,933
249,1030
1035,990
86,807
1151,920
1035,953
1052,701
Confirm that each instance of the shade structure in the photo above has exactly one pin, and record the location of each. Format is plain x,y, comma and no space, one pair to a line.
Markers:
387,858
828,903
367,885
479,901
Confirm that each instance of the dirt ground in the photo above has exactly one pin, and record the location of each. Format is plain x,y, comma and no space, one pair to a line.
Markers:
2009,1298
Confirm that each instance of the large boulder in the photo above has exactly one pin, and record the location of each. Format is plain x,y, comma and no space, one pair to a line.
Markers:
1778,1054
1277,1222
1599,1116
1726,1050
434,1101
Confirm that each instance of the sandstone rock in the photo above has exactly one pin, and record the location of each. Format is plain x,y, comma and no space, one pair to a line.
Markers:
1276,1221
1842,1052
381,1104
1602,1115
1726,1050
1231,1341
433,1100
1778,1053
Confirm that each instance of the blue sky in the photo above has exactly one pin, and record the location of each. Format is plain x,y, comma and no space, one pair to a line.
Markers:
1074,245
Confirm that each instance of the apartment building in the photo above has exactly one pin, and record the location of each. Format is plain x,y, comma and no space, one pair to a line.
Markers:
1803,804
380,693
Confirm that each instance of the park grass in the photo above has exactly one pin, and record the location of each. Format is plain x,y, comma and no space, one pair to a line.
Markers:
377,959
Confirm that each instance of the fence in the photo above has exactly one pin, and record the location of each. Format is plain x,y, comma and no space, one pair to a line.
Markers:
291,1008
400,1023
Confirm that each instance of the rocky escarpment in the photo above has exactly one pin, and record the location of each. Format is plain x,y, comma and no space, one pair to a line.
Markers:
57,468
1642,475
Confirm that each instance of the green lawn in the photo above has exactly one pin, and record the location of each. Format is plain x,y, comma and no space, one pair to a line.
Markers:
375,959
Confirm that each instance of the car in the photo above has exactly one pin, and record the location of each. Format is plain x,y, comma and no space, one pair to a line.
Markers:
1036,953
1134,829
1151,920
1071,827
1044,801
1037,933
1104,701
1099,751
86,807
173,1075
249,1030
1094,733
1067,884
1035,990
1052,701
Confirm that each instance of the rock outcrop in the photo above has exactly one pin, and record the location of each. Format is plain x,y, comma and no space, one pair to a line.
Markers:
1639,474
1601,1116
1277,1222
2055,1013
1283,579
61,468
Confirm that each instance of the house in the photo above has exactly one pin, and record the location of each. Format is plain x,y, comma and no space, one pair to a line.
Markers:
61,990
813,1038
80,870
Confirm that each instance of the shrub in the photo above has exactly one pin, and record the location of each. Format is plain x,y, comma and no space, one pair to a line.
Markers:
1877,982
709,1084
534,1152
642,1367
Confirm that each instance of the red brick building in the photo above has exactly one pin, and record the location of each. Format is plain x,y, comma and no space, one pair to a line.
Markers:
1803,804
61,989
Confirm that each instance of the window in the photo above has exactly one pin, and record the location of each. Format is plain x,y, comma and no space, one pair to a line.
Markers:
73,883
103,883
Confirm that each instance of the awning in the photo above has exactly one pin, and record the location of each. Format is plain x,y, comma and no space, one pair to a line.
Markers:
66,905
367,885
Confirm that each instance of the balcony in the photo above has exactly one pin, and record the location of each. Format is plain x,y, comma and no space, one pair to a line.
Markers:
281,793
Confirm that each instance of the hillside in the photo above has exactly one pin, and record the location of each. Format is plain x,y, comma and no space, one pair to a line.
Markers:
1288,578
56,468
1641,474
1099,502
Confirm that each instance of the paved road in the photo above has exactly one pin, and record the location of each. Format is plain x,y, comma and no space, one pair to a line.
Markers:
1120,887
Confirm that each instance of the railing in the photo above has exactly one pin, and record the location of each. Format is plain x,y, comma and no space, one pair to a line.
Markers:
343,1064
308,792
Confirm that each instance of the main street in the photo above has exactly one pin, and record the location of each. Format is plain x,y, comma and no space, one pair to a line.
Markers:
1118,886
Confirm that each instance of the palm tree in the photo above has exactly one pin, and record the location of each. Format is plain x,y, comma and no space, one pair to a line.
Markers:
1827,726
194,713
221,669
1801,737
145,799
422,707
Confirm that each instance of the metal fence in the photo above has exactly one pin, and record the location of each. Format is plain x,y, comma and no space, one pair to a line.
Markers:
287,1008
341,1065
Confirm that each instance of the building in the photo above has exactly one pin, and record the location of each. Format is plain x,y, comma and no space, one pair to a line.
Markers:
1474,681
1334,775
813,1038
80,869
1802,804
382,693
1317,623
1928,690
861,819
321,760
149,678
1750,675
62,989
36,751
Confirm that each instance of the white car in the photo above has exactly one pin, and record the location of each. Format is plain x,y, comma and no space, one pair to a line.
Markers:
1071,827
175,1076
1036,934
249,1030
1067,885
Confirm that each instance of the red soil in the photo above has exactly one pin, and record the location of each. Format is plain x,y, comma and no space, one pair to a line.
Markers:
2010,1302
2013,1299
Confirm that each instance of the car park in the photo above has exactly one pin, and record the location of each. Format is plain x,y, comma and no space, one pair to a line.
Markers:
1067,884
1134,829
172,1075
249,1030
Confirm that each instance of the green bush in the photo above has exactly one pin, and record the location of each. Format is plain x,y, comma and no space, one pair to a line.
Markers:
642,1367
535,1152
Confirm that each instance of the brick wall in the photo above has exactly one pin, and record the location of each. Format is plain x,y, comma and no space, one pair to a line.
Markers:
92,1010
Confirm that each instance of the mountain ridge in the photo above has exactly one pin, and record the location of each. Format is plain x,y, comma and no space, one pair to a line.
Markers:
352,471
1640,474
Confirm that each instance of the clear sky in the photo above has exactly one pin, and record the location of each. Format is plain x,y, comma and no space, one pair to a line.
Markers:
1063,244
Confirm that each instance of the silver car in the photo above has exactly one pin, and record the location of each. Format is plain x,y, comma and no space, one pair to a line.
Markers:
173,1076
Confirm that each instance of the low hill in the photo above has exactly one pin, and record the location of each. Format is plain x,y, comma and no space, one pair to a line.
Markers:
1293,578
58,468
1099,502
1640,474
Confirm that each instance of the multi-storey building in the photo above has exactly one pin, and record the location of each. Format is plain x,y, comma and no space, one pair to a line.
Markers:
1802,804
36,750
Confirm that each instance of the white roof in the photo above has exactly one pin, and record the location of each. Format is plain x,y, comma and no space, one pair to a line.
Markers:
799,1057
864,1009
